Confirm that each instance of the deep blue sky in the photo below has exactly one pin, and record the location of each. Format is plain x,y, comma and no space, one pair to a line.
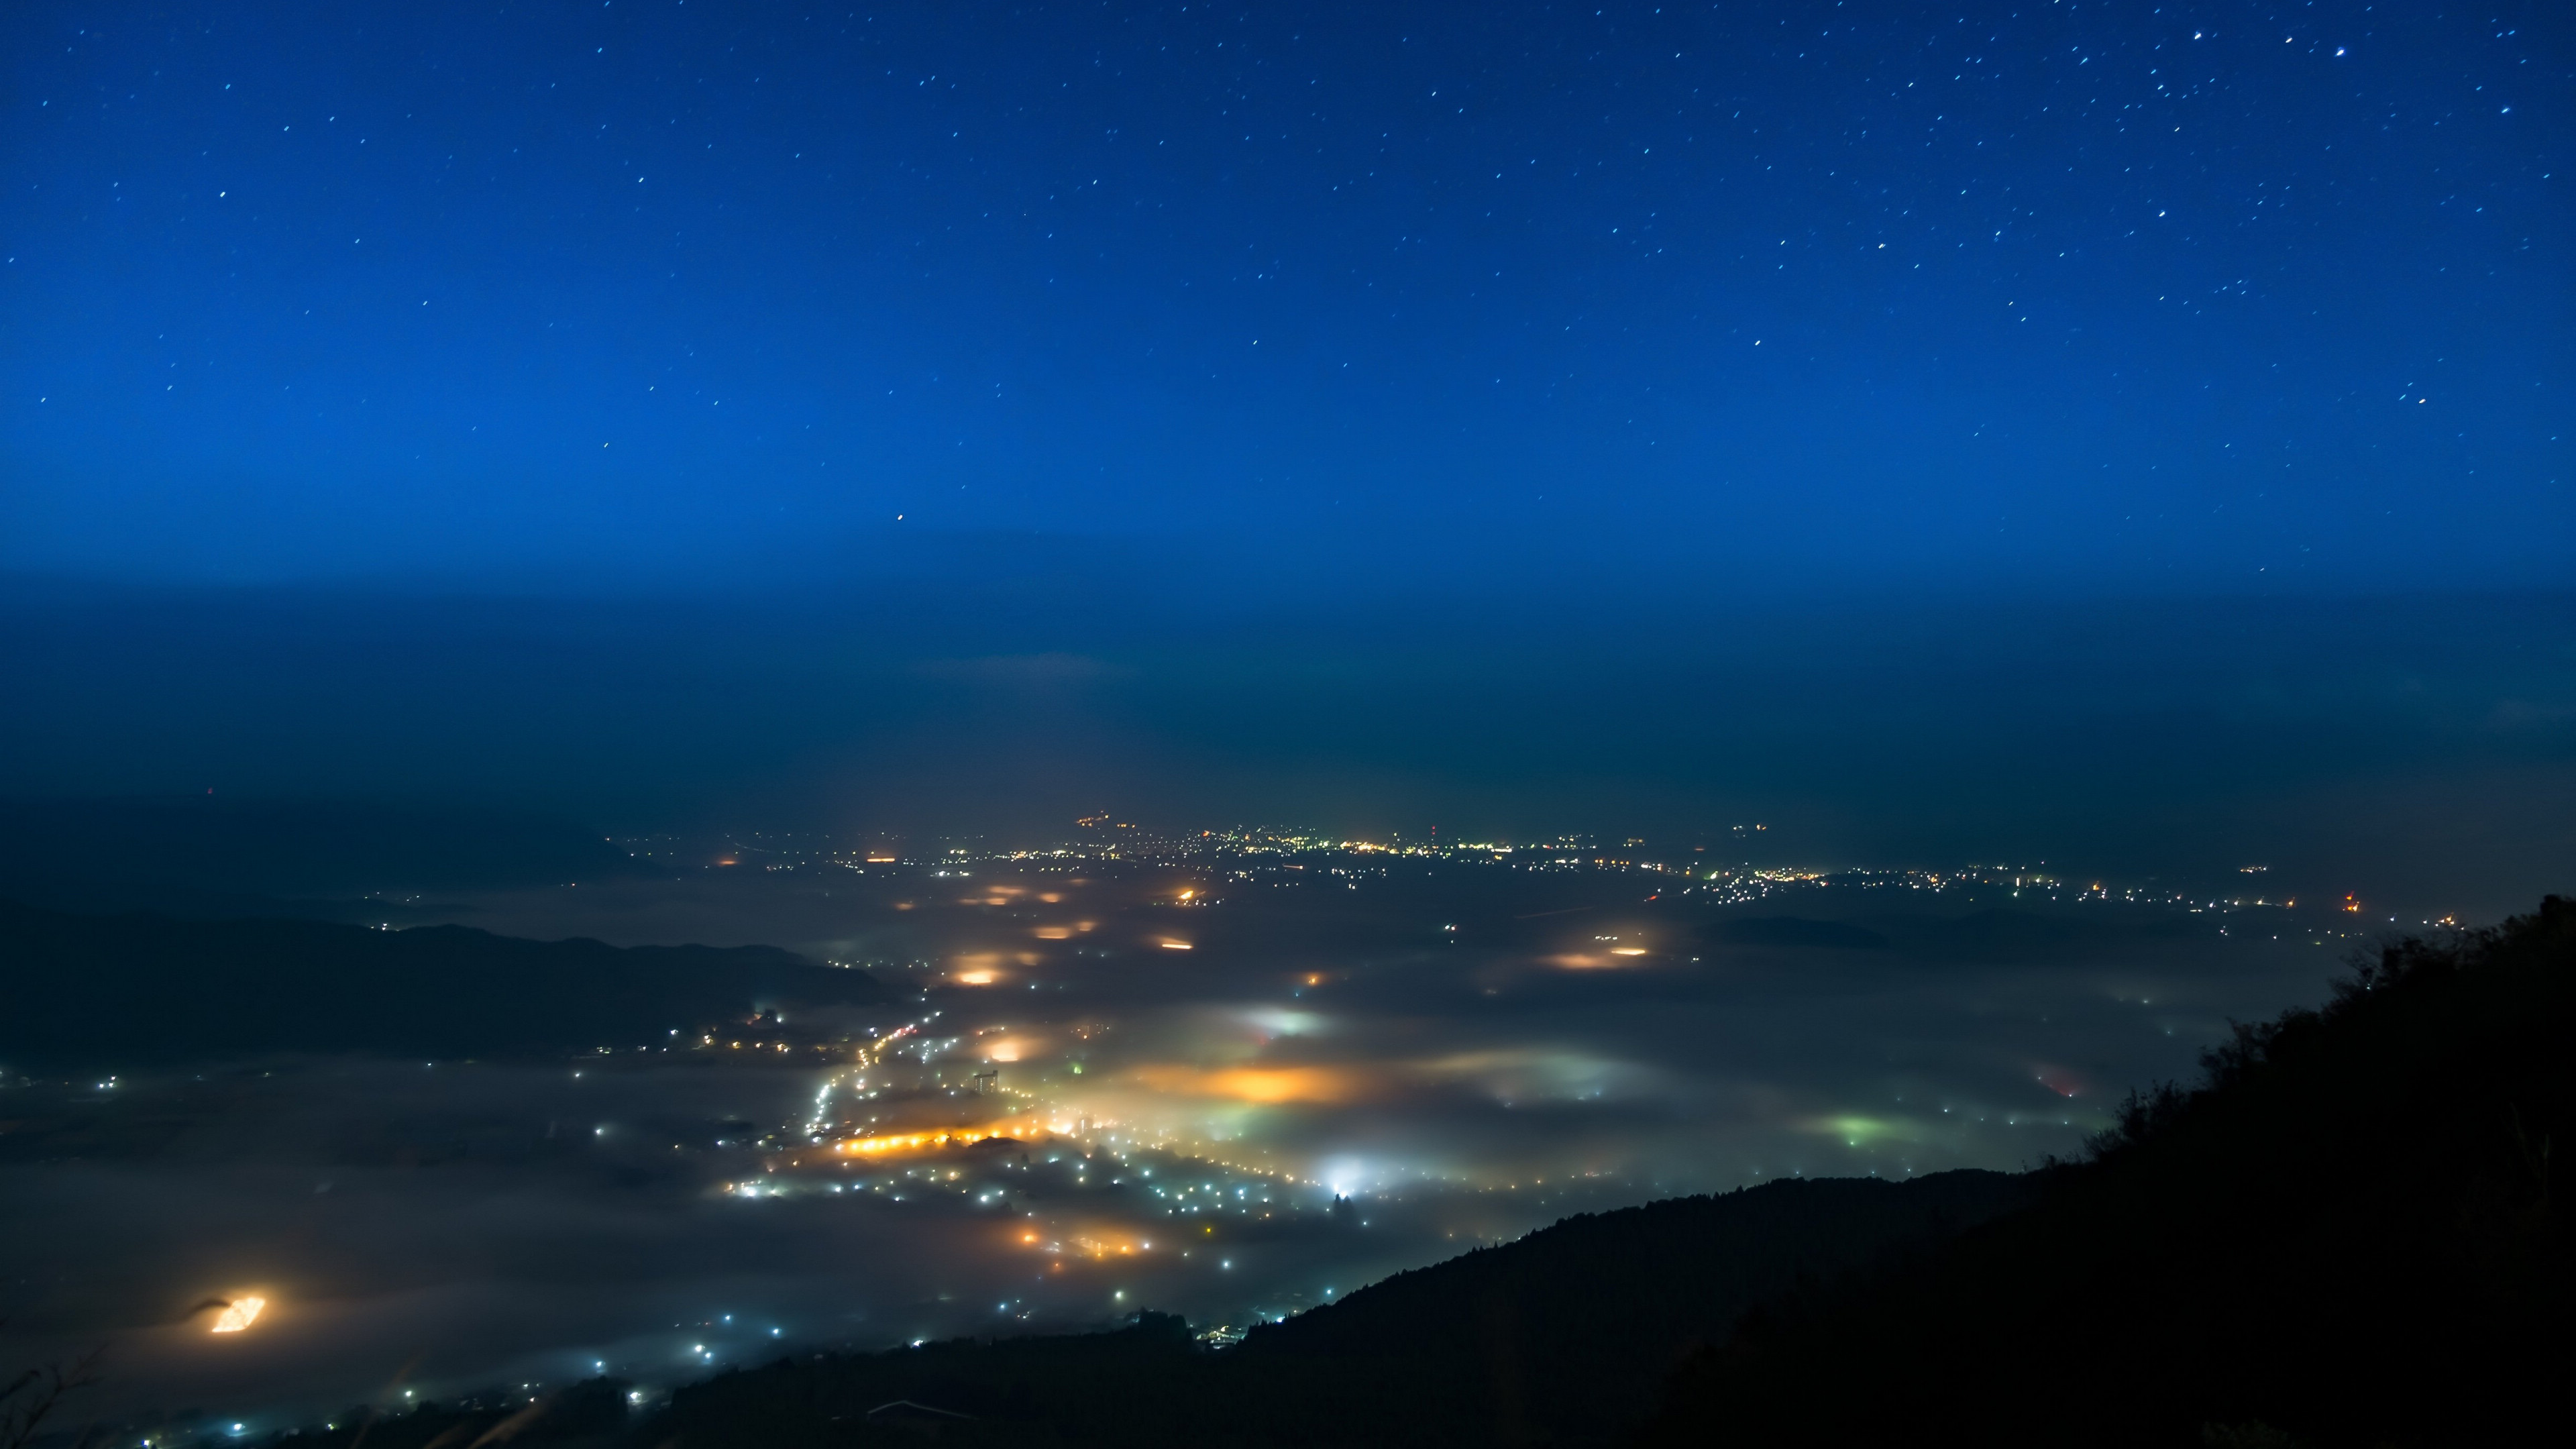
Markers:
2067,295
2137,430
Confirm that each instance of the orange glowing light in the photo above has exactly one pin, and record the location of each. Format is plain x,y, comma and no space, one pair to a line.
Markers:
1627,951
1267,1086
1176,945
240,1314
926,1141
1092,1247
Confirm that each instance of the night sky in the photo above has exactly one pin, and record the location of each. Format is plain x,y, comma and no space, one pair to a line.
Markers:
715,376
2075,293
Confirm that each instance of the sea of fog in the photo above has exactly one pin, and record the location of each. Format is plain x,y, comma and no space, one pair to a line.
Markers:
1228,1091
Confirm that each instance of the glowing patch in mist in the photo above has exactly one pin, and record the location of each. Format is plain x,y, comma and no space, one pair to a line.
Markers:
1859,1131
1265,1086
239,1314
930,1141
1542,1074
1275,1021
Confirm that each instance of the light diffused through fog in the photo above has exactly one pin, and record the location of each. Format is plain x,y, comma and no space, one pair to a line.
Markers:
1104,1087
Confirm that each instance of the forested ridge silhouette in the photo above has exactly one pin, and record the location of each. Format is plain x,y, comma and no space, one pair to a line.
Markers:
125,992
2349,1232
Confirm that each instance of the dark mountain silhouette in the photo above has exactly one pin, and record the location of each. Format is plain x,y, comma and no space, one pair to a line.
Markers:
2350,1233
215,856
1792,932
1563,1337
132,991
588,1413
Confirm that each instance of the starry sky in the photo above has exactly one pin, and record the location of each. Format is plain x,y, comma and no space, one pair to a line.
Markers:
1541,415
2067,295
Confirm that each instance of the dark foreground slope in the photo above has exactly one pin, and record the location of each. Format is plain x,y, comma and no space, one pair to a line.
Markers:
101,993
1566,1336
1561,1338
2352,1233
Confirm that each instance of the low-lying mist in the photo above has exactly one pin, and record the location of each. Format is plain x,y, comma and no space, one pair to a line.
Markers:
1225,1088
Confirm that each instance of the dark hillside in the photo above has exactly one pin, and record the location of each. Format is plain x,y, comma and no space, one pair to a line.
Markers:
1561,1338
2350,1234
127,992
1565,1336
585,1415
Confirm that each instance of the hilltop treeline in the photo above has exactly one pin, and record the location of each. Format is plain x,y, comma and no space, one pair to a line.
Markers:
2350,1232
211,856
127,992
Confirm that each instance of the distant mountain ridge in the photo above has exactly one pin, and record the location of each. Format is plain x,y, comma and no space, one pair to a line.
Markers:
217,856
134,991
